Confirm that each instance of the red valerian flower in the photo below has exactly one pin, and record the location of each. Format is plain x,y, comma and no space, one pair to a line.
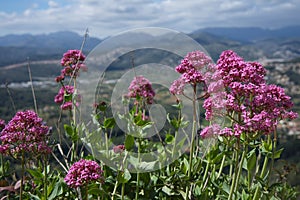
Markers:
194,68
246,94
140,87
65,97
72,61
82,173
119,148
26,133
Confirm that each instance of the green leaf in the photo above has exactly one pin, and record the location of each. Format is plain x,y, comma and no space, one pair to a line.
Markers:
167,190
35,173
109,123
94,189
217,158
57,190
197,190
178,106
145,178
124,176
68,129
277,153
102,106
68,97
251,161
169,138
226,188
129,142
34,197
138,120
147,166
183,194
71,132
186,165
245,196
267,147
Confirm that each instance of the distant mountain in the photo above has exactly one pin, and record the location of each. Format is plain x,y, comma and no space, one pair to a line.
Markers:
251,34
250,42
18,48
57,40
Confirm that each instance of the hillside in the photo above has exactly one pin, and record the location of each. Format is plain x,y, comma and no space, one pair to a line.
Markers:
18,48
252,34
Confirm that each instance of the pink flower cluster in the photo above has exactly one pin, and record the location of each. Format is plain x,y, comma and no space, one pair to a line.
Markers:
72,62
65,97
119,148
193,69
141,88
82,173
251,104
26,133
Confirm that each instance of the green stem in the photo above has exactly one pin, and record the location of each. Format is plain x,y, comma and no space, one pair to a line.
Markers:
2,166
115,189
174,145
192,150
86,192
236,172
22,175
191,156
138,174
45,177
192,143
274,144
221,167
257,193
122,191
73,152
176,133
249,180
240,170
264,169
205,175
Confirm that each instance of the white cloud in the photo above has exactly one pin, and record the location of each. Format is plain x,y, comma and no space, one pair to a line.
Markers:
52,4
106,17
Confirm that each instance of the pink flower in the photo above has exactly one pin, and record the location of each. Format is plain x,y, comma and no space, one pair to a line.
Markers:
226,131
215,105
140,87
25,132
82,173
65,97
59,78
210,131
72,62
196,67
119,148
177,87
234,69
253,105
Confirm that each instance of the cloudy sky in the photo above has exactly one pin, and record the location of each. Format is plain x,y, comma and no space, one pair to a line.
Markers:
108,17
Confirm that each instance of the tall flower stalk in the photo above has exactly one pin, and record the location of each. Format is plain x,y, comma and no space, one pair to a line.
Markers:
142,93
72,63
195,71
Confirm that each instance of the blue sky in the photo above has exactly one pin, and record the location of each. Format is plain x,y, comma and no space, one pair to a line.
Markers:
107,17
